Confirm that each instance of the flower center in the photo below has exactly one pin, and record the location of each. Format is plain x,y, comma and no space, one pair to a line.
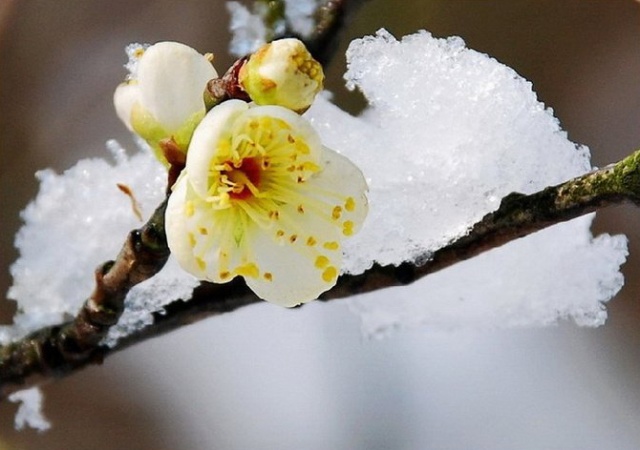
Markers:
243,178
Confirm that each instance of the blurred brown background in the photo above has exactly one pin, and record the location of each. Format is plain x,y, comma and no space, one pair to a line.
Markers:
60,61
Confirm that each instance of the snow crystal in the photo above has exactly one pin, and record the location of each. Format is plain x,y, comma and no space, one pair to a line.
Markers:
447,134
30,411
78,221
299,14
248,27
134,52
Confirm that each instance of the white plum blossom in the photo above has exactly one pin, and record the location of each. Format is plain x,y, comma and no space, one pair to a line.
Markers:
283,73
261,198
163,98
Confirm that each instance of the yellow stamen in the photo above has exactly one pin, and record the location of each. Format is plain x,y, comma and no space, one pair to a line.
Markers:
322,262
330,274
248,270
347,228
350,204
189,208
332,245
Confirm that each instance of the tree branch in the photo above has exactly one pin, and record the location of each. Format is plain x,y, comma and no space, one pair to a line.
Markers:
61,350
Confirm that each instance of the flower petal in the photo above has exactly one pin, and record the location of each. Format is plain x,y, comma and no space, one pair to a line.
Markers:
298,124
342,183
291,273
300,255
221,244
205,141
172,79
126,95
208,243
179,210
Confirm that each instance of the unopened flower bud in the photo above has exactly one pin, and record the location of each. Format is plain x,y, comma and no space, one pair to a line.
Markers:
282,73
163,98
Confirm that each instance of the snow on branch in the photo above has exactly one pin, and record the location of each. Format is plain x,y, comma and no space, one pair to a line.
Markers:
60,350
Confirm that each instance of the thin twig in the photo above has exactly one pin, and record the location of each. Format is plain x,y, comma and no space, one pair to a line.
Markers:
330,19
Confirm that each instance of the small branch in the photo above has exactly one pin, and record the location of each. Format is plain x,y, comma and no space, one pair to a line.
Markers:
57,351
330,17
